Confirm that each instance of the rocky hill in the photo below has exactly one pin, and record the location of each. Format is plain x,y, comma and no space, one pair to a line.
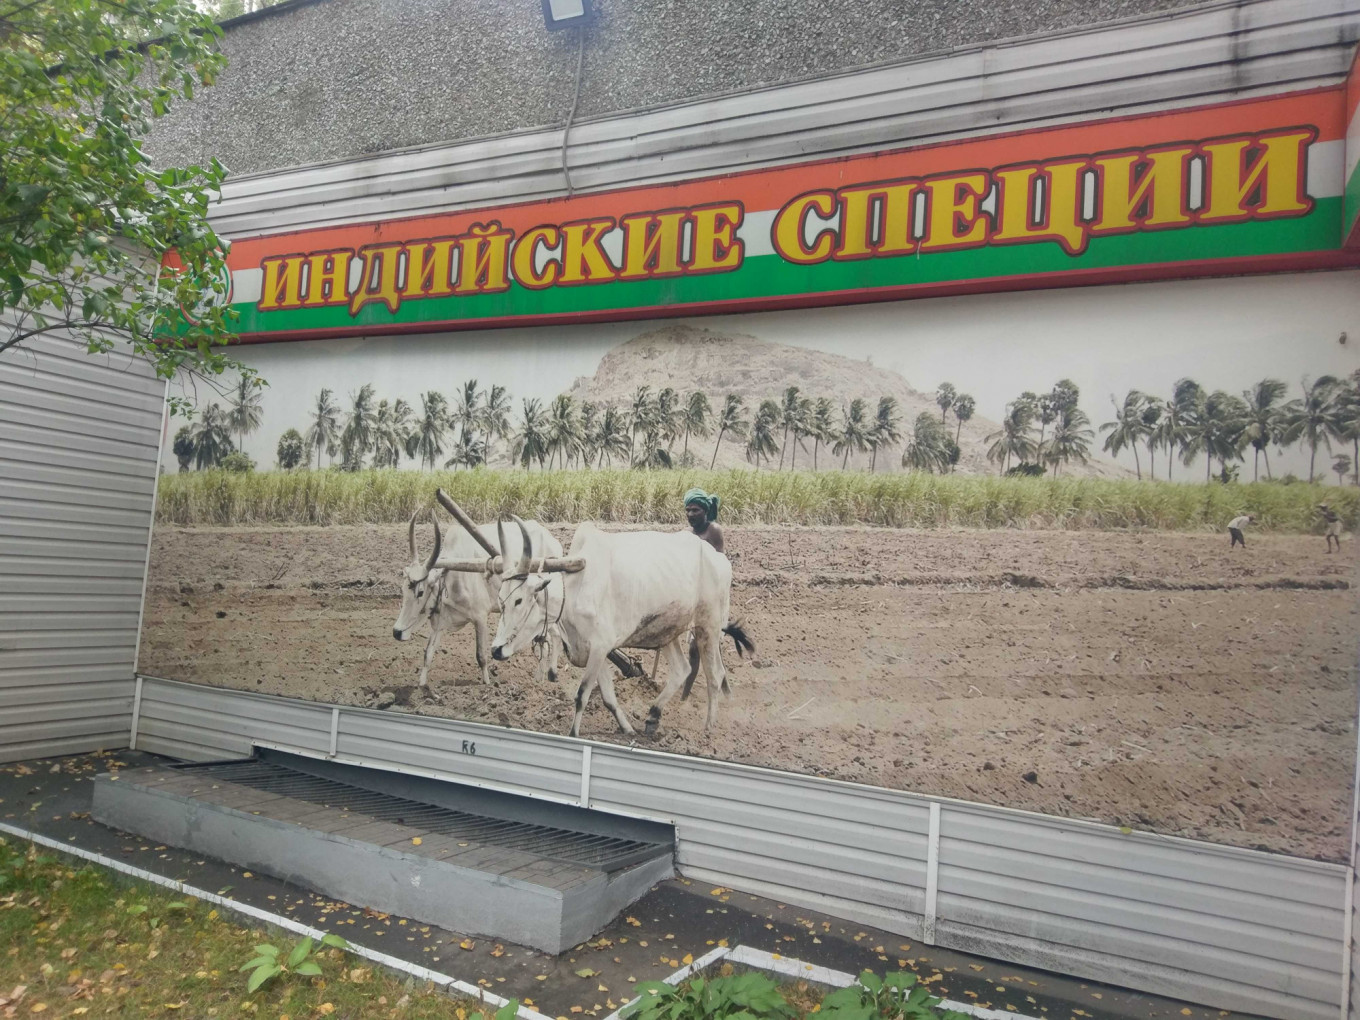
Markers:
688,357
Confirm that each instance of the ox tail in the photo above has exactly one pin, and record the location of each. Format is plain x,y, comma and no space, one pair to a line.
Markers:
740,638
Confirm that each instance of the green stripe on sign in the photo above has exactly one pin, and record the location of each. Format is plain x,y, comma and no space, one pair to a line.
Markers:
769,276
1352,202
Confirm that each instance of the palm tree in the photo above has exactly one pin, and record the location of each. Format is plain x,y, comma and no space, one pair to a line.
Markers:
730,422
1127,429
640,413
1216,431
467,410
761,442
884,431
964,406
531,441
1348,414
1265,423
357,438
1316,419
695,418
611,437
325,427
1178,414
821,426
800,424
946,396
665,423
246,408
1071,440
1013,438
1152,414
1341,464
468,452
589,425
854,431
563,429
427,439
391,432
183,447
212,437
928,448
495,418
290,449
788,410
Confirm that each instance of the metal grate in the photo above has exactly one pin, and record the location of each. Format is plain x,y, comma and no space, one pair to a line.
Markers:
586,849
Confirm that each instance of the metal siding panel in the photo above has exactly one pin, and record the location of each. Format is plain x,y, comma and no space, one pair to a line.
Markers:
1189,979
69,478
81,460
54,642
62,426
1143,854
28,547
47,584
73,512
1166,915
46,390
62,495
36,686
65,566
20,662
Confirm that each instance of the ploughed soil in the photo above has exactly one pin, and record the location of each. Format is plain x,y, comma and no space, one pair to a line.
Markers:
1154,680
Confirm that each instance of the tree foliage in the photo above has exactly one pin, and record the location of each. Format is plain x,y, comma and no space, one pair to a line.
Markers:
85,219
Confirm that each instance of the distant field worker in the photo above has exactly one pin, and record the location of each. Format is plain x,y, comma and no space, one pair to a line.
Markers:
1235,527
1333,520
701,510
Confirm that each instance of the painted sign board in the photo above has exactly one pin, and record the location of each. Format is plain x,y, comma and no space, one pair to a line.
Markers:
1351,173
1250,186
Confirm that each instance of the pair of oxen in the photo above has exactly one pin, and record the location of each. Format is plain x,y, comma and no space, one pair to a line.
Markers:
639,589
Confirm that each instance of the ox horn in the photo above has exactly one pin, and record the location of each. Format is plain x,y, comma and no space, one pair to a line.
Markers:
500,536
528,552
438,543
411,535
465,521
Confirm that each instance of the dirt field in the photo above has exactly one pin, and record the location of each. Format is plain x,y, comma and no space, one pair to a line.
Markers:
1149,680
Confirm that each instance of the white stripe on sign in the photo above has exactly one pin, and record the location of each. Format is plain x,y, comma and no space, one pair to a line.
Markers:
1327,169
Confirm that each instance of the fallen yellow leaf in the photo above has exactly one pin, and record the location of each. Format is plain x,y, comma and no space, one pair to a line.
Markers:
688,958
416,840
38,1007
325,1008
212,914
467,943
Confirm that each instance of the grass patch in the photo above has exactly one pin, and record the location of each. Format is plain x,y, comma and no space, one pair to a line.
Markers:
749,497
85,942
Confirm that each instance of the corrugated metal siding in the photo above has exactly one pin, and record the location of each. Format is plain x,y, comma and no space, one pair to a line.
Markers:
1234,929
79,444
1175,60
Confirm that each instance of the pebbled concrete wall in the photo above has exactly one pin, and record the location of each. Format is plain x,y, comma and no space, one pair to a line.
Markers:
316,80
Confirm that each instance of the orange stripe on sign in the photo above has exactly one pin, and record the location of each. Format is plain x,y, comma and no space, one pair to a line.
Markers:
769,189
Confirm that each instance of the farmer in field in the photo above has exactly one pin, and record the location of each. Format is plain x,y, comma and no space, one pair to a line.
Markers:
701,510
1333,520
1235,527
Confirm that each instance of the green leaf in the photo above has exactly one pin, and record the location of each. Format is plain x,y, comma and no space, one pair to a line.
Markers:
259,961
262,975
177,905
267,950
334,941
137,908
301,951
509,1011
308,968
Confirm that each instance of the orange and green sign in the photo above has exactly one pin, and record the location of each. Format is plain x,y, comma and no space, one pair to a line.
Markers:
1252,186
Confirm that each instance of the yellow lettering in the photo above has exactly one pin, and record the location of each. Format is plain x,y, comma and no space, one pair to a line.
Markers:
893,220
1259,177
428,269
952,219
282,287
1061,205
526,252
482,256
788,231
379,281
651,244
1142,189
583,260
328,278
715,244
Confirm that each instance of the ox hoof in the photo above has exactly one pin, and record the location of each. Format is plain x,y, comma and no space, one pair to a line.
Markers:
650,727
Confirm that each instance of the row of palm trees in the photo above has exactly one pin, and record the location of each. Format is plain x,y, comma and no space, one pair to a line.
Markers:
658,429
1222,426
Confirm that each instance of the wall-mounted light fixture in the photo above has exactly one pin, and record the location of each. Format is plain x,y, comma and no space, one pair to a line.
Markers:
560,14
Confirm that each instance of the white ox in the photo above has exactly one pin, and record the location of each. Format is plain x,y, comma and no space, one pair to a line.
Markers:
642,589
450,600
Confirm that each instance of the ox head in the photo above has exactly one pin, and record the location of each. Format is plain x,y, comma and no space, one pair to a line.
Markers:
524,599
418,588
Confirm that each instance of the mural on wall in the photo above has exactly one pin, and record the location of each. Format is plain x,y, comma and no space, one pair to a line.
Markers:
974,558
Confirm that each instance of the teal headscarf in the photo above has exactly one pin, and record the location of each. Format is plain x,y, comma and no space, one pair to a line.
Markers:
701,498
